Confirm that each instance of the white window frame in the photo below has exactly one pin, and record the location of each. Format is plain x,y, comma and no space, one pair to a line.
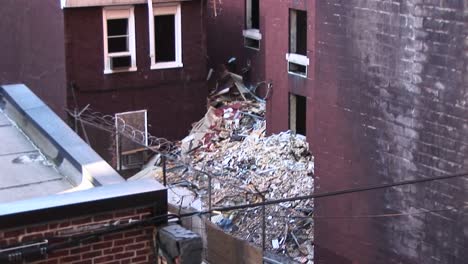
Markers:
294,58
249,32
159,10
118,13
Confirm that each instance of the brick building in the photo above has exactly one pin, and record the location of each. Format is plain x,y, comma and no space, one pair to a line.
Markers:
110,54
379,88
61,202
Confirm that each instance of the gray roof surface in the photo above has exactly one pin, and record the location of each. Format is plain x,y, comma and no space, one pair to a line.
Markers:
24,172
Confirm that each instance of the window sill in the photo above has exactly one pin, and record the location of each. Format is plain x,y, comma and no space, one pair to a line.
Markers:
297,59
166,65
252,34
131,69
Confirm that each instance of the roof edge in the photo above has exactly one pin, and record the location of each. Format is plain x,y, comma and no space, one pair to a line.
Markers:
77,160
88,3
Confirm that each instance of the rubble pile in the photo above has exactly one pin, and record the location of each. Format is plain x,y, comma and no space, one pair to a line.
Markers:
247,167
229,151
258,168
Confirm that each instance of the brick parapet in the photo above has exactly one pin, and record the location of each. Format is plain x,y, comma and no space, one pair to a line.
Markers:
128,246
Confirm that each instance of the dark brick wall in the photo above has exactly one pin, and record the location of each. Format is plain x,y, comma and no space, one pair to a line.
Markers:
174,98
390,105
32,49
225,22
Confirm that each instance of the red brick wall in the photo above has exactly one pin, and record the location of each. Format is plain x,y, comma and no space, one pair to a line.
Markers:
168,93
131,246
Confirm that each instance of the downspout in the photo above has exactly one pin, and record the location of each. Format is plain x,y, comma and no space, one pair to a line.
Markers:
151,31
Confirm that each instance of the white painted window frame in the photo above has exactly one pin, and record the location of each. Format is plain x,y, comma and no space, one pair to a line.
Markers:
117,13
249,32
166,9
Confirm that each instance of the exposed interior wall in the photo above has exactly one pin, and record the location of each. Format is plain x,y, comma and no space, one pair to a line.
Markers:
390,105
32,49
174,98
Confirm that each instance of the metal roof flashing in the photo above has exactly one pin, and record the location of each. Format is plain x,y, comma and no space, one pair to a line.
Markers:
71,155
135,194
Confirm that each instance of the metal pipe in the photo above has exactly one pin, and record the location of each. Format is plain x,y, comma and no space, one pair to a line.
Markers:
263,226
164,170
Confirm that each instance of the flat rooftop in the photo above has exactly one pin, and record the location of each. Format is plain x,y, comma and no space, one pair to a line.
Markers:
25,172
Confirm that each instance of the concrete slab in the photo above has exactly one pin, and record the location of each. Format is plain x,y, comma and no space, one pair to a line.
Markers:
17,170
34,190
13,141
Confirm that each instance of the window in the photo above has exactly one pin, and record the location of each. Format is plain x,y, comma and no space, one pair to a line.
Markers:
119,40
297,56
297,114
252,34
165,37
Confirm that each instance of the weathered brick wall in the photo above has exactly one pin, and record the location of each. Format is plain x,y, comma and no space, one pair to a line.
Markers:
390,104
130,246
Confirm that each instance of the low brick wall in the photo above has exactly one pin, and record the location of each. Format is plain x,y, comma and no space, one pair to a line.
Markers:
129,246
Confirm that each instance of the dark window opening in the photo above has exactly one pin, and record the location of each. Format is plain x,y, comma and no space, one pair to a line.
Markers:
297,69
298,114
298,32
252,14
164,34
121,62
252,43
117,35
255,14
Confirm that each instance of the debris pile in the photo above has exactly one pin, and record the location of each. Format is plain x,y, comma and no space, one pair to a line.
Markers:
228,151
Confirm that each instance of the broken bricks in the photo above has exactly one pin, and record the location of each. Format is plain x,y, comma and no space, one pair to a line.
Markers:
230,144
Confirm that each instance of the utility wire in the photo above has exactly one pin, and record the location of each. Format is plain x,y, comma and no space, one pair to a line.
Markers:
325,217
330,194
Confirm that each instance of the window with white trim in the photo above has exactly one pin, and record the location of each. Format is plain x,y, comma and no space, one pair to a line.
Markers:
297,56
252,35
119,39
166,37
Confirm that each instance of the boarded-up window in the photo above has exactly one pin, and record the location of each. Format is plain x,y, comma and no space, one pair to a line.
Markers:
131,138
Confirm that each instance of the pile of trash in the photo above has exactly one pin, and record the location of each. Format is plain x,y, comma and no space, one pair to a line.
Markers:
229,159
